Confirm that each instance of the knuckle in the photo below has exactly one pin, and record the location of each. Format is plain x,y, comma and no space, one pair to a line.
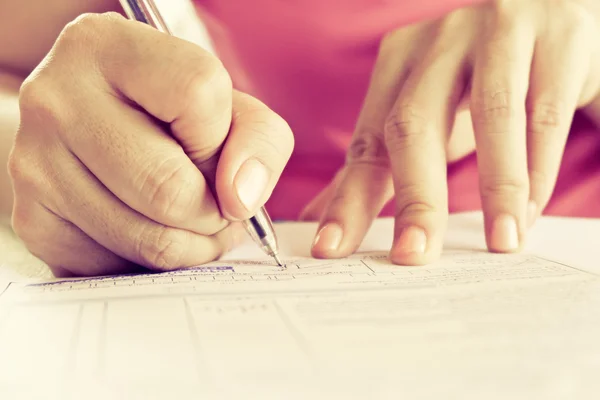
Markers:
411,209
415,198
216,75
491,106
283,134
262,142
169,191
15,166
404,128
23,170
368,147
85,29
162,248
206,85
503,187
272,134
545,118
38,104
87,23
493,102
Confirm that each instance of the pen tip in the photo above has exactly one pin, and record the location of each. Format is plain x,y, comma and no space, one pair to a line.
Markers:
276,257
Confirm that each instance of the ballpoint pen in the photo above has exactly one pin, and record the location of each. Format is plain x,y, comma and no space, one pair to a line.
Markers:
259,227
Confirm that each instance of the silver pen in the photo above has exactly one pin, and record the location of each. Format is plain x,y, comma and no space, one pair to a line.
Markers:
260,226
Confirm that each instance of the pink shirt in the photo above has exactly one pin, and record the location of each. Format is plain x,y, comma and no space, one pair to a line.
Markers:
310,61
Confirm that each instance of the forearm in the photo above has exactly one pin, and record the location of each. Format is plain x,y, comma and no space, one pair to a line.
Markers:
9,121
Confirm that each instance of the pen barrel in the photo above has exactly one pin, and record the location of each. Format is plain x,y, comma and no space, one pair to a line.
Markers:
260,229
145,11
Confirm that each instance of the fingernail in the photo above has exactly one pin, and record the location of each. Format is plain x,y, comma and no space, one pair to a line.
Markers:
531,213
329,237
412,240
251,183
505,236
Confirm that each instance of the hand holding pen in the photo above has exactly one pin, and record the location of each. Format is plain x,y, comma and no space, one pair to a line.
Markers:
146,152
258,226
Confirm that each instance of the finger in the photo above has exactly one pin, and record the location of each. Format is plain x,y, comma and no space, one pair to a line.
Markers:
417,131
559,69
364,185
84,201
256,151
142,165
500,82
590,100
63,246
367,182
363,191
314,210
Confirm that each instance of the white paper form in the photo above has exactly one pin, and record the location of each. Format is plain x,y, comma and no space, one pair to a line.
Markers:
473,324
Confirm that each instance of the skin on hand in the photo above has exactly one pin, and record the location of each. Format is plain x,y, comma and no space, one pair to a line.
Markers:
522,67
134,150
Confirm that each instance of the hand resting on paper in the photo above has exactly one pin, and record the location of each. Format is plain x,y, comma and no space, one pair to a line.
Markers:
519,69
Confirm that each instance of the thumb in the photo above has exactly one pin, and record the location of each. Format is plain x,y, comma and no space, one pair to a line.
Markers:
255,152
